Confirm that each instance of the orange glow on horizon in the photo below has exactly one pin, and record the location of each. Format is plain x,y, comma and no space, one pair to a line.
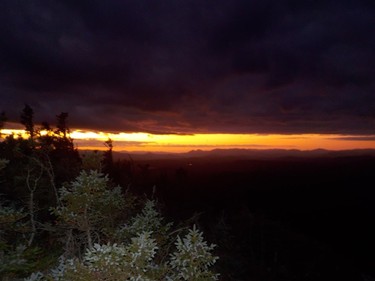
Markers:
140,141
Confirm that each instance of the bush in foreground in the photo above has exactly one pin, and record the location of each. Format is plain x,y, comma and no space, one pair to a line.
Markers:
142,248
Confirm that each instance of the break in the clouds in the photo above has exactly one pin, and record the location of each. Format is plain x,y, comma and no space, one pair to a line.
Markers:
192,66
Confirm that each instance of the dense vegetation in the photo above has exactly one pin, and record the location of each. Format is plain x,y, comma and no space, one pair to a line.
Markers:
77,215
63,218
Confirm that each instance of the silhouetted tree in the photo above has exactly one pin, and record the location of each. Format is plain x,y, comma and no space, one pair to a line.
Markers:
65,157
108,158
52,153
46,141
63,142
62,127
27,117
3,119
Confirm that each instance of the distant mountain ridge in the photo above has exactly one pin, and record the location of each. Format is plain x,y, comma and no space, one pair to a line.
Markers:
248,153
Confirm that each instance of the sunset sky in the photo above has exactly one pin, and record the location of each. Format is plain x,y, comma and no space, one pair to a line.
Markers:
174,75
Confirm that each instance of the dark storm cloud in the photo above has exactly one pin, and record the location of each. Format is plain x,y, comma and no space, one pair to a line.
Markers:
192,66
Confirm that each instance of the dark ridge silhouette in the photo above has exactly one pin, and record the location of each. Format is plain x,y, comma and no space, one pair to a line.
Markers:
247,153
323,199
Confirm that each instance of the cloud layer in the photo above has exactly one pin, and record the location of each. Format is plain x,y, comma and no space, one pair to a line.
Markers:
192,66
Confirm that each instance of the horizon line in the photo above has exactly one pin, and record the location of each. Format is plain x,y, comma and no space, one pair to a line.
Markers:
141,141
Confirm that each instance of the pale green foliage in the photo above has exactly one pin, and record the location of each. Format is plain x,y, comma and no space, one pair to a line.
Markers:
19,259
136,261
35,276
88,204
105,258
112,262
141,252
149,220
58,273
192,258
144,251
9,215
12,257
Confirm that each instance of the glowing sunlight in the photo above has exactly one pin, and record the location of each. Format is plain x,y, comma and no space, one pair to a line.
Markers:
141,141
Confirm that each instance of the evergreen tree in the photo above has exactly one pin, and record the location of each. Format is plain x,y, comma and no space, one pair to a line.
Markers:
3,119
27,119
89,205
108,158
62,127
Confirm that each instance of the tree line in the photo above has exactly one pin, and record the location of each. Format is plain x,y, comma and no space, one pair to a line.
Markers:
62,216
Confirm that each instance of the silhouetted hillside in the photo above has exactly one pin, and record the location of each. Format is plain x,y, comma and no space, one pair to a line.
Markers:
323,199
247,153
